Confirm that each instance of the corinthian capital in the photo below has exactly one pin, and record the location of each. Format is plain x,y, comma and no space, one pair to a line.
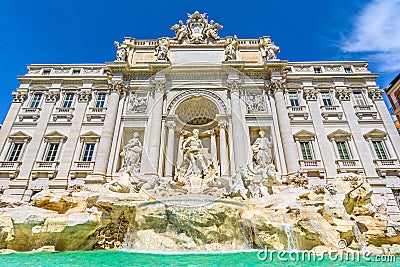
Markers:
84,96
19,97
310,94
51,96
274,85
117,86
234,85
158,85
343,94
375,93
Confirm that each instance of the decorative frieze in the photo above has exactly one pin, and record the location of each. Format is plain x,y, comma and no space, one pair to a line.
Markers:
255,102
360,68
137,103
337,68
303,69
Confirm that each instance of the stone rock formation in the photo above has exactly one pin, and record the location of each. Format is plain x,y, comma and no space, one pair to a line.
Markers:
293,217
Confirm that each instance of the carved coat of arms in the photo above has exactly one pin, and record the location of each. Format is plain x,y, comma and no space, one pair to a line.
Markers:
197,29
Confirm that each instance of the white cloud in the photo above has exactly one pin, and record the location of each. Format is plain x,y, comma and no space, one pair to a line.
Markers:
376,32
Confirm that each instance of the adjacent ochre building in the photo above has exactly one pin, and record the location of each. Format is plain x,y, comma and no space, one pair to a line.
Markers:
69,123
393,93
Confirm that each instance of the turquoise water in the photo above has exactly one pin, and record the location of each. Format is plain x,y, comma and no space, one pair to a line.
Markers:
123,258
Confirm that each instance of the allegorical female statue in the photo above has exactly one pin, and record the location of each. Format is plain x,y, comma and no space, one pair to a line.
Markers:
131,154
262,150
192,149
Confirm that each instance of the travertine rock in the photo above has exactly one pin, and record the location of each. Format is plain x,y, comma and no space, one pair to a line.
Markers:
291,218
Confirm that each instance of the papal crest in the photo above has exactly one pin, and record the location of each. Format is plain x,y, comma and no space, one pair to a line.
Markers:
197,30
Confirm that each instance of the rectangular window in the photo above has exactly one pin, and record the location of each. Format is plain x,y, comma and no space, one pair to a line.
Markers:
347,69
294,99
359,99
306,150
317,70
51,152
46,72
101,100
88,150
69,97
15,151
326,99
35,101
379,148
76,72
343,150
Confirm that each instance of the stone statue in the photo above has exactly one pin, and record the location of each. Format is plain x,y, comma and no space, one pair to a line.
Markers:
212,30
194,158
261,184
162,49
268,49
120,185
262,150
272,52
237,183
181,31
121,51
231,49
137,104
131,154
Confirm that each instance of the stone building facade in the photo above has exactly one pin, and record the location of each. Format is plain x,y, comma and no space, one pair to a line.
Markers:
70,124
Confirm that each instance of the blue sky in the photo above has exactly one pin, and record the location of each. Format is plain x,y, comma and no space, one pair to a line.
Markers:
72,31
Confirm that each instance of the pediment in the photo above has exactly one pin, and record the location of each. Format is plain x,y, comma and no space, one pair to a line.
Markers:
55,135
304,134
375,133
89,136
19,136
339,134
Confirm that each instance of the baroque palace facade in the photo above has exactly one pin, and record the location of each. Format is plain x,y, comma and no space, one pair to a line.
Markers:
84,123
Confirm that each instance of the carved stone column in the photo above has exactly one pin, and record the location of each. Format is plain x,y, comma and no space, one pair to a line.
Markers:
107,134
213,148
324,145
179,158
19,99
73,136
289,146
151,147
240,134
357,134
376,96
169,159
32,151
223,151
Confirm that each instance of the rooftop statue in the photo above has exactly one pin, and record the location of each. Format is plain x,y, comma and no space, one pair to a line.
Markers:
121,51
